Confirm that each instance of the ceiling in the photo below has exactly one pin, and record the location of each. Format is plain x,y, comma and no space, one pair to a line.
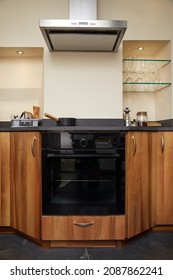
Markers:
151,48
27,52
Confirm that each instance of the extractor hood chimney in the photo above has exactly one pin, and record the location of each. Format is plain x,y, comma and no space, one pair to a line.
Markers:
82,31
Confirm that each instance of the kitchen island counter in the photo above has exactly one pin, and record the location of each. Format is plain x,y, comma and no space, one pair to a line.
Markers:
147,156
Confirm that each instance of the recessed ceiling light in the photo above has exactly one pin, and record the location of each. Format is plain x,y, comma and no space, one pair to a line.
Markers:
20,52
140,48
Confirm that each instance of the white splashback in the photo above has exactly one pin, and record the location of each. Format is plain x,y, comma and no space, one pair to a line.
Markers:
84,85
138,102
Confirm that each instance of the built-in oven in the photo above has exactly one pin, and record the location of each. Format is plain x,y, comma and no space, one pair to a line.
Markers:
83,173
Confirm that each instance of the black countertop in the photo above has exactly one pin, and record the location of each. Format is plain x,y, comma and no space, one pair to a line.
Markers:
87,125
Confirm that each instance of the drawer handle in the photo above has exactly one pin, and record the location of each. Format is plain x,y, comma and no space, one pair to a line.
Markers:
83,224
162,144
134,145
34,139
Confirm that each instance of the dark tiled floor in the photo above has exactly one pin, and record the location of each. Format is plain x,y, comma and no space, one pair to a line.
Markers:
150,246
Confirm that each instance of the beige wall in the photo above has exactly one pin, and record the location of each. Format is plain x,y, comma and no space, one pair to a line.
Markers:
20,85
85,85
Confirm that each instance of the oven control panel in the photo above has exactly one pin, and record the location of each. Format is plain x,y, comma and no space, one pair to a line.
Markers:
82,141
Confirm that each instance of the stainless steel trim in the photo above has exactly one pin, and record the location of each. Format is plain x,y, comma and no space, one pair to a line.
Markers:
71,24
82,155
83,35
85,9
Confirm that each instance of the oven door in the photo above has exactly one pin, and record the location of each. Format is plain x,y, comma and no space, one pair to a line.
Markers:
83,184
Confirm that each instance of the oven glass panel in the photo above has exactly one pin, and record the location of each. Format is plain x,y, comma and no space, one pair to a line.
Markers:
77,182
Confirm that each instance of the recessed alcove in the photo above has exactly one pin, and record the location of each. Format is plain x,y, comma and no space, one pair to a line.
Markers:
21,80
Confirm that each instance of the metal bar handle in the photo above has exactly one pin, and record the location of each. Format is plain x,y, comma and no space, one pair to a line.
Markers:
82,156
34,139
83,224
134,145
162,144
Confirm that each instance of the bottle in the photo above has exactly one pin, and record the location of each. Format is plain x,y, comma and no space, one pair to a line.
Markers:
142,118
127,117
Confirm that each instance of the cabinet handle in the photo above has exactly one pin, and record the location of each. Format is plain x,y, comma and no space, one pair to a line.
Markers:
162,144
134,145
34,139
83,224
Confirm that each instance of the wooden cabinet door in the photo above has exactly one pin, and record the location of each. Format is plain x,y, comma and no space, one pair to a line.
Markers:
4,179
26,182
138,204
164,212
83,227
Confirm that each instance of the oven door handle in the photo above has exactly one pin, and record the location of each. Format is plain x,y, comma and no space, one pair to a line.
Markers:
83,156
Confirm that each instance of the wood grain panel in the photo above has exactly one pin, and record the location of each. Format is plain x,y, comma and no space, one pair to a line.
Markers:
26,183
138,196
4,179
65,228
153,177
86,244
165,178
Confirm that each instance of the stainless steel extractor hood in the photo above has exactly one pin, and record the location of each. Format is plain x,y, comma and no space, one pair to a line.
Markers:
82,34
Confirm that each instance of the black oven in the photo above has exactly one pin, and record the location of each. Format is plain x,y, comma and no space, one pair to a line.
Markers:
83,173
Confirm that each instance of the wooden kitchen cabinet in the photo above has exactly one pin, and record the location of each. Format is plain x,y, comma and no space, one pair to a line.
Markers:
164,178
26,182
138,192
83,228
4,179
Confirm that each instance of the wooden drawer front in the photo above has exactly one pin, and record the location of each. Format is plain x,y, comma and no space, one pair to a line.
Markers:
83,228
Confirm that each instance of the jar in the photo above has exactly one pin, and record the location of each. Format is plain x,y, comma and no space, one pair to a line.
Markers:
142,118
134,123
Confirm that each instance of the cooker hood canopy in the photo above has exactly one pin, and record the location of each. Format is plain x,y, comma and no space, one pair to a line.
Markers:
84,33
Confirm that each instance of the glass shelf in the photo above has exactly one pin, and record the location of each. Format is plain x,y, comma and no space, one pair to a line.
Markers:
144,87
143,65
145,75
